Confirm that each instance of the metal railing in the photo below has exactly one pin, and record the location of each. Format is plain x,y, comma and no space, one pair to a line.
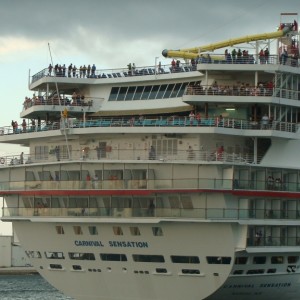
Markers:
158,212
240,90
54,101
158,121
116,183
116,73
168,68
107,154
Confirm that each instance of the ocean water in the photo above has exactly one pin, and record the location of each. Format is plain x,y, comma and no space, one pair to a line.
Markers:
29,287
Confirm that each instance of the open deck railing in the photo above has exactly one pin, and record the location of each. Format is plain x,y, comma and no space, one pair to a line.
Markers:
67,102
240,90
141,154
155,121
114,183
168,68
127,212
271,240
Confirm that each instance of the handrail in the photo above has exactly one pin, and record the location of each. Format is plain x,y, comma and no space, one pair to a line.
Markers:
65,101
114,183
158,212
168,68
156,121
241,90
88,154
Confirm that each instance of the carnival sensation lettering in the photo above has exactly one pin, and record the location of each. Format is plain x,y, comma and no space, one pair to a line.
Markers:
115,244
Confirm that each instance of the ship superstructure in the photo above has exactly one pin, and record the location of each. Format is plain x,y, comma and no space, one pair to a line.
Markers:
166,182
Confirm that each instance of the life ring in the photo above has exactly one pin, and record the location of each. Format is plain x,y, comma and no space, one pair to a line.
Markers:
2,160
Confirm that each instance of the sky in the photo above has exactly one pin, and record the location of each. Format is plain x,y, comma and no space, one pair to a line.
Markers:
113,33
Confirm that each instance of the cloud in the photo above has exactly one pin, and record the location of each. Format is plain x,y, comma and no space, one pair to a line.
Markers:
11,47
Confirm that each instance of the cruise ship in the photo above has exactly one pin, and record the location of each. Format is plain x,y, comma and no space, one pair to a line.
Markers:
174,181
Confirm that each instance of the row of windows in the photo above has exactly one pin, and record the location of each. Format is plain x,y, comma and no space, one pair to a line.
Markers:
117,230
158,270
254,271
107,202
148,92
177,259
164,270
260,260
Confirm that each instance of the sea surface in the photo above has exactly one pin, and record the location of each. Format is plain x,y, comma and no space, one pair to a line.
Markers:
29,287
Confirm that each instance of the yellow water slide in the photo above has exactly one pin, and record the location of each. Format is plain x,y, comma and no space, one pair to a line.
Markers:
196,51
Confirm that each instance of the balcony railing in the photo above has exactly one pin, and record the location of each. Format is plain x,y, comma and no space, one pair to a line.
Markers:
69,102
128,212
164,69
107,154
157,121
114,183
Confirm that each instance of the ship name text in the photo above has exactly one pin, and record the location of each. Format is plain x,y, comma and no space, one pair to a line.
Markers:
113,244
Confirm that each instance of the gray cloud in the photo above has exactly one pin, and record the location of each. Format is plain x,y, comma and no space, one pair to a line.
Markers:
111,28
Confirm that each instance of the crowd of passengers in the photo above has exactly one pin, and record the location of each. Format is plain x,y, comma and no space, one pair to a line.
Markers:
72,71
234,57
76,100
239,89
194,118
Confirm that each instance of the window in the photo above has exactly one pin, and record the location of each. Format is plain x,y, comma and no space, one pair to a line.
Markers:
293,259
146,92
117,230
56,266
135,231
271,271
122,93
41,152
256,271
259,260
277,259
54,255
81,256
78,202
113,257
241,260
76,267
161,91
148,258
190,271
186,202
238,272
154,92
59,229
77,230
130,93
169,91
29,176
181,90
218,260
175,90
185,259
157,231
114,93
161,270
138,93
93,230
165,146
33,254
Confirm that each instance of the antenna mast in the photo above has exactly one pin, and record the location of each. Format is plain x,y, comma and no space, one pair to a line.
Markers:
62,119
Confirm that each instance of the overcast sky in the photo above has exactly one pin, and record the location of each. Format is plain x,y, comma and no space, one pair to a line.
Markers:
112,33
